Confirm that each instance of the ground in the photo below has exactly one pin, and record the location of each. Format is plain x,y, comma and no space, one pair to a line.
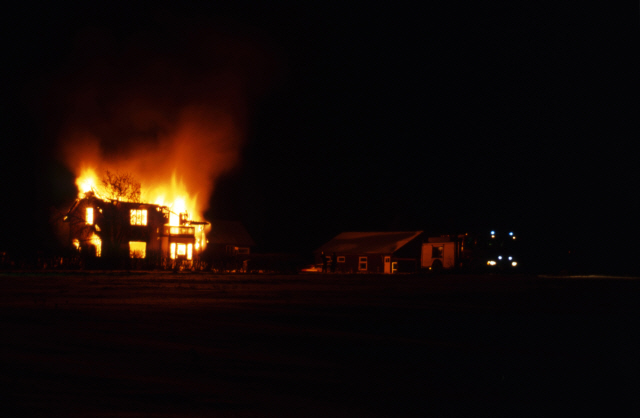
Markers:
196,345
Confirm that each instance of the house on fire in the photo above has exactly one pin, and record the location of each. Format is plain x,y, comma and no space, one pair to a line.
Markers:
109,228
374,252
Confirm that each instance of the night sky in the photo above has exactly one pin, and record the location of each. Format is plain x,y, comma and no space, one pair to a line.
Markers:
444,117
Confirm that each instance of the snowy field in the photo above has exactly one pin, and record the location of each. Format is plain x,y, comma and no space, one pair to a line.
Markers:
201,345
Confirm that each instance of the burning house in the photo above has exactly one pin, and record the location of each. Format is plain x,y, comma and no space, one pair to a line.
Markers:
115,229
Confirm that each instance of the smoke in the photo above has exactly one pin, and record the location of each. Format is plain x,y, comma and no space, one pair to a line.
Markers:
168,106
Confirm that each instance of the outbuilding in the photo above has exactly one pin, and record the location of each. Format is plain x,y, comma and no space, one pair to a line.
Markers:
229,238
229,246
373,252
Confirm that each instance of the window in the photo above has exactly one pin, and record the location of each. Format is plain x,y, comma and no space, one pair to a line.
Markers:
89,216
172,252
182,249
341,259
137,249
179,230
138,216
437,252
189,251
96,242
387,259
362,263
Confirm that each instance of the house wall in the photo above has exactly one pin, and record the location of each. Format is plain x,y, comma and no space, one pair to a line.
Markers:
407,259
375,263
112,223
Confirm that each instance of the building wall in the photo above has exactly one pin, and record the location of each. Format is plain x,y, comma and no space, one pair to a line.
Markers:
407,260
112,223
375,263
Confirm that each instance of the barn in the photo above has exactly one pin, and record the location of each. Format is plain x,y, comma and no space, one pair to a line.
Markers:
374,252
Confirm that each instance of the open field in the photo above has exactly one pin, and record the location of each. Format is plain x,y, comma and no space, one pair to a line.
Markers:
200,345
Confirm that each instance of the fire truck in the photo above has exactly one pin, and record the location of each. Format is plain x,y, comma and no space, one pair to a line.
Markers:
474,252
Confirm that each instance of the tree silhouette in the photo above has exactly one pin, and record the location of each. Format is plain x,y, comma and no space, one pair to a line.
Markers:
120,187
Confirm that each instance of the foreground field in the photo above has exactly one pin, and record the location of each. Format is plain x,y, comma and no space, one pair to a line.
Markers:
183,345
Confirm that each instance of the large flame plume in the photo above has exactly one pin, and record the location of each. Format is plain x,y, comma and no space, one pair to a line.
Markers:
170,112
177,170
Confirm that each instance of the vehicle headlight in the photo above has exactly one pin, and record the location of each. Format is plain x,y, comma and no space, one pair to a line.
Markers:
491,263
514,263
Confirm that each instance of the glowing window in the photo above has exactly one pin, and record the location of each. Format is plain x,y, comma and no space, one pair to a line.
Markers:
172,252
362,263
178,230
137,249
341,259
182,249
189,251
97,243
138,216
90,216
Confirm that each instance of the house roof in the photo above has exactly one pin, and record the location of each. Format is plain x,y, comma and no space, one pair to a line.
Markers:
229,233
369,242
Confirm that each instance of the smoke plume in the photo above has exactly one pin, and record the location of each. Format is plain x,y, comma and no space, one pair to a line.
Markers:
169,107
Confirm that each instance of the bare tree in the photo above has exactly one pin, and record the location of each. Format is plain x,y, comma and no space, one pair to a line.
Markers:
121,187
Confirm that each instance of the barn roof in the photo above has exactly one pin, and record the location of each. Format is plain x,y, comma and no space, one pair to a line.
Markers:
229,233
369,242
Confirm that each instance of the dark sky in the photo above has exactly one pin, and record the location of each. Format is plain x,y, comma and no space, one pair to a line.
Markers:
444,117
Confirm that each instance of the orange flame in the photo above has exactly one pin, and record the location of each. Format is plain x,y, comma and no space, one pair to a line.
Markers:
87,181
175,196
176,169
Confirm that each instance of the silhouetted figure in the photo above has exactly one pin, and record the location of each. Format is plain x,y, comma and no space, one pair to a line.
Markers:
324,262
334,261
